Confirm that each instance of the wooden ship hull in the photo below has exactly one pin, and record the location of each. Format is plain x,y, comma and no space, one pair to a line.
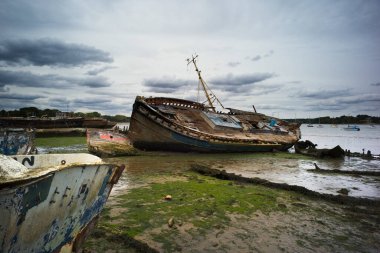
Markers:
108,143
180,125
52,202
16,141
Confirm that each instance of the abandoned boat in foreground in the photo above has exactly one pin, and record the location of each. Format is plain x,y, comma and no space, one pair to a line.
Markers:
180,125
49,202
17,141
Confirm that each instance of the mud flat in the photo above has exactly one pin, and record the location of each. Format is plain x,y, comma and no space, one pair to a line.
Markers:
207,210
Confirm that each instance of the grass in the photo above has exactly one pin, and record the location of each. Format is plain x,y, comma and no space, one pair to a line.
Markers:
59,141
201,201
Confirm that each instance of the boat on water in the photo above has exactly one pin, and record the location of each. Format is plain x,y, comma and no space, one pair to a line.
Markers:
50,202
17,141
171,124
108,143
352,128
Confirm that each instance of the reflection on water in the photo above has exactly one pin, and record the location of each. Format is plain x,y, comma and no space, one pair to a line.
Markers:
266,166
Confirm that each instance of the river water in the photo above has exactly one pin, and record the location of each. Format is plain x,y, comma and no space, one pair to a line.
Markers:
273,166
328,136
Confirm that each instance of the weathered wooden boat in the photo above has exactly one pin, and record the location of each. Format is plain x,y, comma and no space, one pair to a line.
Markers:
108,143
181,125
49,202
309,148
16,141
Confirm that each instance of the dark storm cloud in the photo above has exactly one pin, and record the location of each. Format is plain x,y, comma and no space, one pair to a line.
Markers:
20,97
323,94
28,79
166,85
49,52
342,103
239,83
375,84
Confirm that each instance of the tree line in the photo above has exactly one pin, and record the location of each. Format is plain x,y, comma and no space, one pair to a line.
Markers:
358,119
38,113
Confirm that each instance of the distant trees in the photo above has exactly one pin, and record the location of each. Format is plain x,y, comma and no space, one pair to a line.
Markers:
359,119
35,112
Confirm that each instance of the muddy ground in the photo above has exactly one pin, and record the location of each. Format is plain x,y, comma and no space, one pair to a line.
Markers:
206,214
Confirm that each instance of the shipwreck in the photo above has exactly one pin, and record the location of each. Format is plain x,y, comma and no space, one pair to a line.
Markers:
171,124
49,202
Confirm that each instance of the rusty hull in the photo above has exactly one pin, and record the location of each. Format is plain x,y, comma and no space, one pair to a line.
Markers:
51,208
180,125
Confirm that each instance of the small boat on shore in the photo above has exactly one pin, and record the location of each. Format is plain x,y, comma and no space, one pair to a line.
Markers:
309,148
352,128
108,143
172,124
49,202
17,141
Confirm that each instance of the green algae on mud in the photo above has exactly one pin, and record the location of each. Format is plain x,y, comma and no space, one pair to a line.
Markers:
206,213
59,141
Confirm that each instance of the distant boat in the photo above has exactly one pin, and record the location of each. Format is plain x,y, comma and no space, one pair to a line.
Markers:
108,143
310,125
16,141
351,128
334,125
50,202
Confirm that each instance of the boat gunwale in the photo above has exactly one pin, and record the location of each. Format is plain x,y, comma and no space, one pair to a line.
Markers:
28,178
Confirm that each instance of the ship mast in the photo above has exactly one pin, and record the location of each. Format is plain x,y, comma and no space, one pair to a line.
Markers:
209,94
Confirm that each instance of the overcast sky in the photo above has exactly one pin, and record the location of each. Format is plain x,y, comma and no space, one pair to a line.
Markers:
289,58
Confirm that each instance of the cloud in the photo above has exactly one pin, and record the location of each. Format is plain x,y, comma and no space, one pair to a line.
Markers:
233,63
259,57
95,72
256,58
166,84
375,84
323,94
49,52
15,96
28,79
342,103
239,83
